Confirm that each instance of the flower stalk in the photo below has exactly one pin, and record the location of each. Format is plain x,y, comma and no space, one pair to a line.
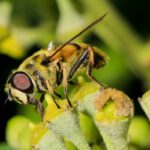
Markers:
109,109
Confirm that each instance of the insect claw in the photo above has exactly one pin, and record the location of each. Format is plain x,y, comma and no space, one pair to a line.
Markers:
40,109
102,88
57,105
42,114
70,105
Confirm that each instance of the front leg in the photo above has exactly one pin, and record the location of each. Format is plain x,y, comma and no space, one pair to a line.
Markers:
39,107
51,91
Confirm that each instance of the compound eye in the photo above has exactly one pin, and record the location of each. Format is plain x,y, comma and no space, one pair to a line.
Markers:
22,82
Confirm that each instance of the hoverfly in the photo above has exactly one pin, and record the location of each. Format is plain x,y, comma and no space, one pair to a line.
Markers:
46,69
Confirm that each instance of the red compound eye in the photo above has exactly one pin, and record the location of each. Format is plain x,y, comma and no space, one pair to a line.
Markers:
22,82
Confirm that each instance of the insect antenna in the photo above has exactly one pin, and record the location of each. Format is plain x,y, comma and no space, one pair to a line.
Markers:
81,32
6,101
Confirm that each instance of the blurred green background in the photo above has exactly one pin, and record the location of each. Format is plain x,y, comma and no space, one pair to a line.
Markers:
28,25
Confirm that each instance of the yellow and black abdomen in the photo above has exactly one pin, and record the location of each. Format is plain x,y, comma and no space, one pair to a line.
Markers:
100,58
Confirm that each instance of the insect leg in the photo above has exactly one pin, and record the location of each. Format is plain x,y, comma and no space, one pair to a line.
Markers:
65,83
50,89
72,83
90,66
42,97
39,106
58,95
53,97
77,64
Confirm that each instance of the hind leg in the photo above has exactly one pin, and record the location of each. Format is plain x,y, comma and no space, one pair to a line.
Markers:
65,84
90,66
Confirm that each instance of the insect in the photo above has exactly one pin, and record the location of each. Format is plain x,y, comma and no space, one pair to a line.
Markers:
45,70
